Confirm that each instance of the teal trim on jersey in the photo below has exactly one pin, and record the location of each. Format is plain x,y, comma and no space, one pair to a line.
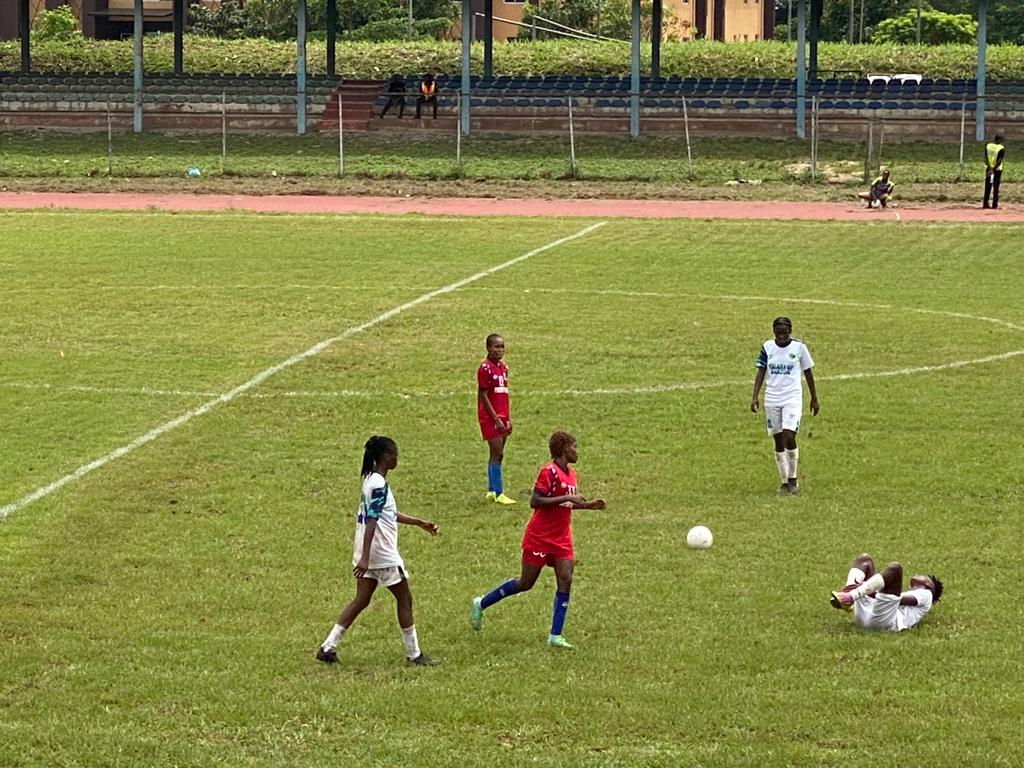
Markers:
378,498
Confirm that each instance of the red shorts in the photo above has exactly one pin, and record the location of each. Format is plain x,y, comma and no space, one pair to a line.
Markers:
488,430
540,559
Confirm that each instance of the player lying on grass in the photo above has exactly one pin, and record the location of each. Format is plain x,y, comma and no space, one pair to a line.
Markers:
375,558
548,537
877,600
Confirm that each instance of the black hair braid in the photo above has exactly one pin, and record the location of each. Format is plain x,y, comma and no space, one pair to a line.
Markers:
374,449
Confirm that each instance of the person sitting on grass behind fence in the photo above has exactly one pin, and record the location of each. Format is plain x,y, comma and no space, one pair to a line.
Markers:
880,193
427,95
396,95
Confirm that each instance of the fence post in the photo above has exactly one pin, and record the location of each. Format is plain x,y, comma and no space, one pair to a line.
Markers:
572,143
341,137
881,141
686,129
458,131
871,141
814,138
110,145
963,127
223,131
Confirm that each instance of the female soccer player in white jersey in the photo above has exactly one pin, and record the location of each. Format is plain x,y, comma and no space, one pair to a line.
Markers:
375,558
779,365
877,599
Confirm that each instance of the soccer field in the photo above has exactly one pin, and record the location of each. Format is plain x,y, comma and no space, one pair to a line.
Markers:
162,606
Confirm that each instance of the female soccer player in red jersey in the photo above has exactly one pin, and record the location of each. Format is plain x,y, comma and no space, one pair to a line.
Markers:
548,537
492,413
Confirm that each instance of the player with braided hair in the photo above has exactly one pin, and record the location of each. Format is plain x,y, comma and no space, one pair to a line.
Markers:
375,557
548,537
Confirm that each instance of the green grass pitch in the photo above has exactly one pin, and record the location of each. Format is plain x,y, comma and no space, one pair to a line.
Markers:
163,609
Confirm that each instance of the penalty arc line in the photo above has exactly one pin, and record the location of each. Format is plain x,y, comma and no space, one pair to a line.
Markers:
262,376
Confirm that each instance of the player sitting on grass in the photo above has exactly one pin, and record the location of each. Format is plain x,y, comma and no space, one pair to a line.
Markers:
877,600
548,537
880,193
375,558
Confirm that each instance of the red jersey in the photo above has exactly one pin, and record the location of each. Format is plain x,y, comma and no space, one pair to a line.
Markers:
493,377
549,529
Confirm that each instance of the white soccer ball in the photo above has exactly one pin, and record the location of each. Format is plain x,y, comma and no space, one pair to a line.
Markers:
699,537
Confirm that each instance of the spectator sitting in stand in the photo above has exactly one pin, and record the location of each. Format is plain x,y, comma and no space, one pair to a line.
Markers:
396,95
427,95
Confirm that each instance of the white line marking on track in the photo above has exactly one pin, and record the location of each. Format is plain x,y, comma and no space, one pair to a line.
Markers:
262,376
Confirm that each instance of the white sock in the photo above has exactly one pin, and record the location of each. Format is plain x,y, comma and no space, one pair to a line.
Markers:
873,584
855,576
332,639
782,464
412,645
791,458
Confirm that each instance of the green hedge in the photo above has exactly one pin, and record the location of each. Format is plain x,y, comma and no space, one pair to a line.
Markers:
376,60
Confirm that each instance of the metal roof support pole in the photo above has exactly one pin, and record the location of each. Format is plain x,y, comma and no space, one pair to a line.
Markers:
24,33
467,15
137,68
300,67
979,114
178,32
488,39
634,80
801,68
332,33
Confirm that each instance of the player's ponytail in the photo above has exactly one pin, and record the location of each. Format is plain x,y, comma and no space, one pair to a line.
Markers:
374,449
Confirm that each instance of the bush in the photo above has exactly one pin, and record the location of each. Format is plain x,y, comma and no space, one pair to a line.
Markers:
398,29
58,25
702,58
937,28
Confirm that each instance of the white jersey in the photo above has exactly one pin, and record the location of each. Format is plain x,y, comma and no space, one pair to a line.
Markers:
884,611
909,615
377,503
783,368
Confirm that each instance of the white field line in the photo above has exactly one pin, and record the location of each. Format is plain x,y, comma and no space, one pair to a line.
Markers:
678,387
262,376
607,391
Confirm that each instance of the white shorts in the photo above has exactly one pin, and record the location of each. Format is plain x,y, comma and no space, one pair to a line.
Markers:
878,612
781,417
387,577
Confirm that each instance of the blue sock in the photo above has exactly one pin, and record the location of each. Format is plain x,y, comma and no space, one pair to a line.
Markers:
494,483
505,590
558,612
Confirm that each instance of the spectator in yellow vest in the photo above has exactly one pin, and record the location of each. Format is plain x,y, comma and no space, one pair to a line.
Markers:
427,95
994,153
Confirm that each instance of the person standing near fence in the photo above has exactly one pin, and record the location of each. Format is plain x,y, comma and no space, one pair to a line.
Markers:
994,154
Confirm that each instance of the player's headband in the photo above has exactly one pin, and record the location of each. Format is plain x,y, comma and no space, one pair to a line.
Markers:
782,321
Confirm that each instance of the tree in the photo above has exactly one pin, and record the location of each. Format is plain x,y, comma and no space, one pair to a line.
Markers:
609,18
936,28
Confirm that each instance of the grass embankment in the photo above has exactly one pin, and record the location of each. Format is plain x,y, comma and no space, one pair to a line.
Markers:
515,166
